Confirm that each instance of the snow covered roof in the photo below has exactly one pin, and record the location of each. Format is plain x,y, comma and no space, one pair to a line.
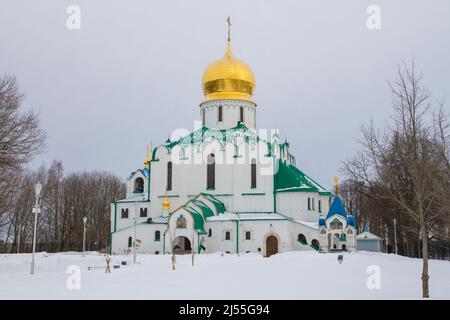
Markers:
312,225
162,220
366,235
144,172
138,197
229,216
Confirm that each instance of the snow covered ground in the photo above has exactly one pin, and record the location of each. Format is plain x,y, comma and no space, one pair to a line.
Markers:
292,275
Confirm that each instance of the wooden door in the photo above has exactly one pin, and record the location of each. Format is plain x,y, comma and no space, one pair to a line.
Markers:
271,245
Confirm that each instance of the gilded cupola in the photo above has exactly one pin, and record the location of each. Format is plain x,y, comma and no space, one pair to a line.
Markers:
228,77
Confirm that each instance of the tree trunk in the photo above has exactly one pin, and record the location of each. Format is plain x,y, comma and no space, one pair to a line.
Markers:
425,276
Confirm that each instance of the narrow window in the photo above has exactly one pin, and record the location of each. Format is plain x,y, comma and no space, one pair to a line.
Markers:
320,206
253,174
220,113
169,175
203,116
211,172
227,235
309,203
313,204
130,242
124,213
241,114
248,235
210,233
157,235
143,212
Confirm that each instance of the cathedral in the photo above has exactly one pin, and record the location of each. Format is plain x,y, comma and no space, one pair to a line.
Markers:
227,186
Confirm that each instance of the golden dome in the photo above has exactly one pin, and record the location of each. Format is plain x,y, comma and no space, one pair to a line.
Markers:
228,78
165,203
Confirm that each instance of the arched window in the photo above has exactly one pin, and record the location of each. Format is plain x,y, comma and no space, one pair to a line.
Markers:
248,235
124,213
309,203
139,185
157,235
301,238
130,242
143,212
315,244
181,222
344,247
319,203
220,116
203,116
169,175
349,231
323,231
313,204
227,235
241,114
209,233
211,172
253,174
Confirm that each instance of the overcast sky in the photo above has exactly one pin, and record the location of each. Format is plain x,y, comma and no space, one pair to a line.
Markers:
132,73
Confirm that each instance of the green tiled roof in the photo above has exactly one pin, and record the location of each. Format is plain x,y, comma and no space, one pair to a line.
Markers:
221,135
207,212
220,207
289,178
198,219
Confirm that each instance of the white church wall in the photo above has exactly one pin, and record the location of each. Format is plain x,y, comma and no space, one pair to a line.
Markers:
230,113
145,233
295,205
232,181
118,223
259,230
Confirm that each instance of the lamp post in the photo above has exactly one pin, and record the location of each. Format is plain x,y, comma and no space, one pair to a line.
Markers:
36,210
395,235
135,226
386,235
18,239
84,234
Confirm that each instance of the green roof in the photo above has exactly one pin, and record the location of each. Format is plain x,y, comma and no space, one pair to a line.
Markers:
289,178
221,135
220,207
206,211
198,219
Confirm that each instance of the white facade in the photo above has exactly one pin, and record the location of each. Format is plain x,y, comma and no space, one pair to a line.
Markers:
226,186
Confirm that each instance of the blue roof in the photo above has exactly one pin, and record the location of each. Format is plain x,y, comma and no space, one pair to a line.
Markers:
337,208
144,172
321,222
351,221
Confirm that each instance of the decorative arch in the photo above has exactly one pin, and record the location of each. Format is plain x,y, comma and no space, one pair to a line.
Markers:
336,224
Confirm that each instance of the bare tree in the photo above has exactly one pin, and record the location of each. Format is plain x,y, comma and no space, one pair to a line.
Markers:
406,165
20,134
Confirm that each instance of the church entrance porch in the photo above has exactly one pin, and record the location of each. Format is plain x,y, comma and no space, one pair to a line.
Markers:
182,245
271,245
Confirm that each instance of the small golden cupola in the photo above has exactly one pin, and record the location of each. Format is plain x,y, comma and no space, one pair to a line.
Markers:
166,203
228,77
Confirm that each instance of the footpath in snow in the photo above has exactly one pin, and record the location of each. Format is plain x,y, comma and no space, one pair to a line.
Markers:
291,275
